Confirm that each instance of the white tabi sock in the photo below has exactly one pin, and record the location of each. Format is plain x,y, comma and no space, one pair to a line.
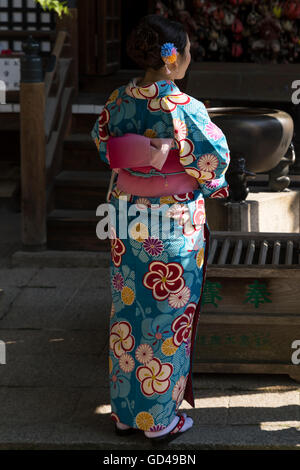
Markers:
122,426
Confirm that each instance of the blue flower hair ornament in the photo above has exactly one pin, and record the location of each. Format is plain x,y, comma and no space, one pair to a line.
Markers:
168,52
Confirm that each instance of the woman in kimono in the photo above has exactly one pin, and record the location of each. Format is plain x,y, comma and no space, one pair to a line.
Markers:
157,278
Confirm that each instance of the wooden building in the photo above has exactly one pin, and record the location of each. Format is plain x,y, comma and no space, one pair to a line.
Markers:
50,170
82,59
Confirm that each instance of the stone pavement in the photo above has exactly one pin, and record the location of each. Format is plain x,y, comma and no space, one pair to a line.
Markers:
54,389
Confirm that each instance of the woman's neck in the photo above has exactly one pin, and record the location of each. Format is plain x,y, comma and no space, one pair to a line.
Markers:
151,78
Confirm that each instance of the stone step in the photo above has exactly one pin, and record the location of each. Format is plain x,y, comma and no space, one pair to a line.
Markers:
80,153
81,189
262,179
74,230
83,123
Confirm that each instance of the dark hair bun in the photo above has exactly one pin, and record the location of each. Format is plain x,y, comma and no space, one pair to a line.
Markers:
146,38
145,41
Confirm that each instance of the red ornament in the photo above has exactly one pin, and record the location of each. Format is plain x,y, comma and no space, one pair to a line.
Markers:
6,52
237,49
292,10
237,26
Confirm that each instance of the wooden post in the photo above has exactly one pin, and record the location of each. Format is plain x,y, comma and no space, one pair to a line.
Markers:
33,170
70,25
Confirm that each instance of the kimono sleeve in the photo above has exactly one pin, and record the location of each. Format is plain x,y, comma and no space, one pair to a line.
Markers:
100,134
205,153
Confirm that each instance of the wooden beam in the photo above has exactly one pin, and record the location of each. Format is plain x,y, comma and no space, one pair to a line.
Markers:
242,271
24,34
33,175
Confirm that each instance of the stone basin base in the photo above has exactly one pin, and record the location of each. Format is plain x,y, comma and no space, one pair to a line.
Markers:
263,211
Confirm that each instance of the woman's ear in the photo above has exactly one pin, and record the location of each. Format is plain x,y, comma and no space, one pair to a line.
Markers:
175,64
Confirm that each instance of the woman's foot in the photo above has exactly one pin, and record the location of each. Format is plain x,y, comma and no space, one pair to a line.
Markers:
180,424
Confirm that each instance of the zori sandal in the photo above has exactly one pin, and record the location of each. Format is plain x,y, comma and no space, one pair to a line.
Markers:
172,434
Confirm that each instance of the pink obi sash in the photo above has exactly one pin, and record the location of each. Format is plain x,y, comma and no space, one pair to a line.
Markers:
148,167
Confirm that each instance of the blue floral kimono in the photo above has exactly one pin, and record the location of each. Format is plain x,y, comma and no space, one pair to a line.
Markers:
157,282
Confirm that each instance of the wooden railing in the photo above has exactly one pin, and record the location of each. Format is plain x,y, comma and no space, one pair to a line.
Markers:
13,96
45,118
23,34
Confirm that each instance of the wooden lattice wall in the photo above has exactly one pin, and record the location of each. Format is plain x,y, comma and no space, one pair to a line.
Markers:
24,15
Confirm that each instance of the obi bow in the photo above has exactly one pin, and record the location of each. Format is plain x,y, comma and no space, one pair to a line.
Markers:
134,150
